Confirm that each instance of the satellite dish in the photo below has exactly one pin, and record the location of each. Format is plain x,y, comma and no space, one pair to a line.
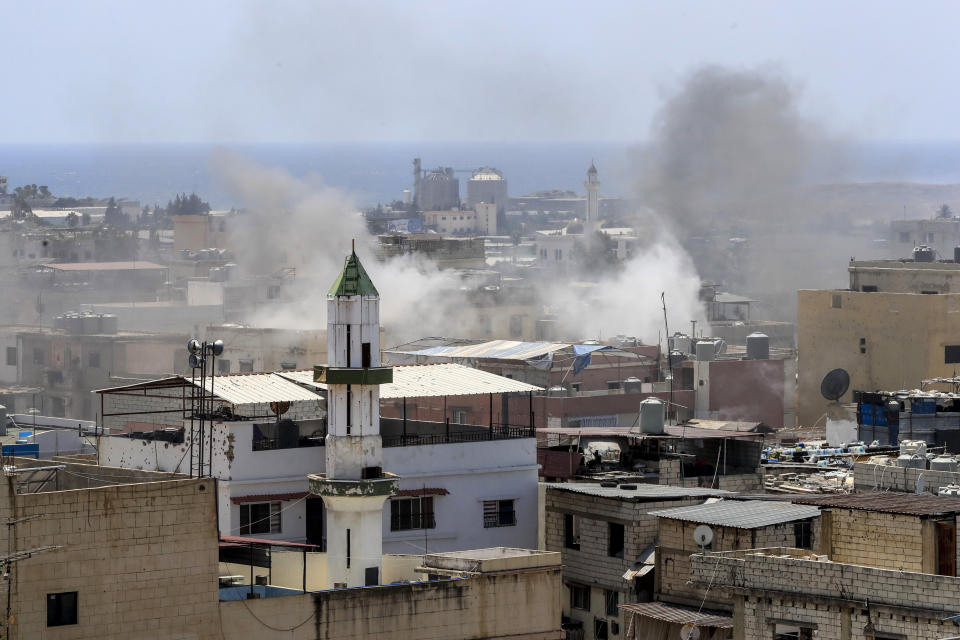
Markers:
280,407
703,535
920,484
690,631
835,384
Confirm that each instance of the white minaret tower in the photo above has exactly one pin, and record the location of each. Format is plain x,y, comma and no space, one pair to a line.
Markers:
354,486
593,202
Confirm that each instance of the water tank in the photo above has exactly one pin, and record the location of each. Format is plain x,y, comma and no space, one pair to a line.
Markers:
217,274
90,324
914,461
681,342
677,357
60,322
652,416
943,463
706,350
923,253
230,270
109,324
913,447
949,490
632,385
758,346
557,392
956,254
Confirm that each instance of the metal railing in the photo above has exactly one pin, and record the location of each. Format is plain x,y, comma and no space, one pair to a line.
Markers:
455,434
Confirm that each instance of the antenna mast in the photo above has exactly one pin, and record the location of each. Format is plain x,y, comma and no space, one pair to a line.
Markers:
663,301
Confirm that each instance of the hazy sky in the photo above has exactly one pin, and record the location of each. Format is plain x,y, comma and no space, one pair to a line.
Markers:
232,71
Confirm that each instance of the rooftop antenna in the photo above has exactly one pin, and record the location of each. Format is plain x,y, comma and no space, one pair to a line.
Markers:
663,301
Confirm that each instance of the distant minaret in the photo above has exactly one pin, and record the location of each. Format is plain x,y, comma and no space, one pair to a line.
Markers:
354,487
593,203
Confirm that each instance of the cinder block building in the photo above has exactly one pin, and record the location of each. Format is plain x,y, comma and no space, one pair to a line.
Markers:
606,536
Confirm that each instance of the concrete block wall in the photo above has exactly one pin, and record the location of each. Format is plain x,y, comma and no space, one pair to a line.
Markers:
886,540
831,597
520,605
875,477
141,557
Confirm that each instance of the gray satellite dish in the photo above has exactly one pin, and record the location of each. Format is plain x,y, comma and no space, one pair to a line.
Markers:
689,631
835,384
703,535
920,484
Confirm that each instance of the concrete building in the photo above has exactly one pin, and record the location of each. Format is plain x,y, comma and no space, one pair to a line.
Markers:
249,349
488,185
437,190
606,537
884,340
884,567
446,253
198,232
487,218
904,276
940,234
451,222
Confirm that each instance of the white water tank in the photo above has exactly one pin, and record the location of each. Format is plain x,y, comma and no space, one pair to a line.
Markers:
652,416
914,461
706,350
943,463
910,447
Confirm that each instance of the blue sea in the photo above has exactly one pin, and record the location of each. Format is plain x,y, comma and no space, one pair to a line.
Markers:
378,173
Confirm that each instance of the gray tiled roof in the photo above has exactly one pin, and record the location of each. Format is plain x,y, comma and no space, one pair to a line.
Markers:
742,515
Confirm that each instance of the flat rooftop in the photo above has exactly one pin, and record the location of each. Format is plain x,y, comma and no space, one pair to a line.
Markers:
639,493
906,264
490,560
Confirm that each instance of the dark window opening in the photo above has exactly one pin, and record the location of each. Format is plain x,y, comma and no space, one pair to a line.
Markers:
801,534
614,540
611,602
600,631
349,364
837,301
348,548
365,355
571,535
38,356
499,513
951,353
371,576
579,597
11,356
930,293
613,385
61,609
412,513
223,366
260,517
246,366
94,360
349,409
870,288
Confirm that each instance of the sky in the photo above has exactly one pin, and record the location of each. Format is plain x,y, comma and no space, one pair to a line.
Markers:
235,71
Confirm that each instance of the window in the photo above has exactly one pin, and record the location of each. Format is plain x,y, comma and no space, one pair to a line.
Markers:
600,631
929,293
246,366
904,236
611,601
929,237
459,416
612,386
575,386
571,532
801,534
260,517
38,355
288,366
870,288
614,540
498,513
11,356
412,513
61,608
951,353
93,360
516,326
837,301
791,632
579,597
223,366
365,358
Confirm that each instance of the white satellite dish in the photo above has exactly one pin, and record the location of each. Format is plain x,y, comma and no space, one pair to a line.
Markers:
690,631
703,535
920,484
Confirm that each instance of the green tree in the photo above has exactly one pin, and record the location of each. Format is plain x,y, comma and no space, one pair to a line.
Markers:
114,215
72,219
45,191
944,211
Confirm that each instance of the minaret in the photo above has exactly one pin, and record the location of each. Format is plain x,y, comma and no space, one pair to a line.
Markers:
593,203
354,487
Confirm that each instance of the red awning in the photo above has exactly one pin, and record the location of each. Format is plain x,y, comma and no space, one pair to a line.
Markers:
269,497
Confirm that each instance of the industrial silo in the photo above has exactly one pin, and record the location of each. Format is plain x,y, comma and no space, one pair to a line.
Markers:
439,190
487,185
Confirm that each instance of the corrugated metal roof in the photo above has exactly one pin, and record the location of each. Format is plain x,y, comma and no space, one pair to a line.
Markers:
741,515
500,349
433,380
912,504
680,615
642,493
257,388
124,265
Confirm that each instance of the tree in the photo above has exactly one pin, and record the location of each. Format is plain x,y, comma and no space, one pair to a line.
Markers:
184,205
114,215
944,211
20,208
73,219
85,219
45,191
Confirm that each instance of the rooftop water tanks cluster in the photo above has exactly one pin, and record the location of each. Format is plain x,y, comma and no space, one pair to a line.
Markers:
87,323
923,253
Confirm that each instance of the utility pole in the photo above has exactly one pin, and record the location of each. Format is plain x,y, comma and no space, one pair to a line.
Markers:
663,301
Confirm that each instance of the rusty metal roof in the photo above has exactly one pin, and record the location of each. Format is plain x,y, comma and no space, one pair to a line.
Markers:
680,615
911,504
